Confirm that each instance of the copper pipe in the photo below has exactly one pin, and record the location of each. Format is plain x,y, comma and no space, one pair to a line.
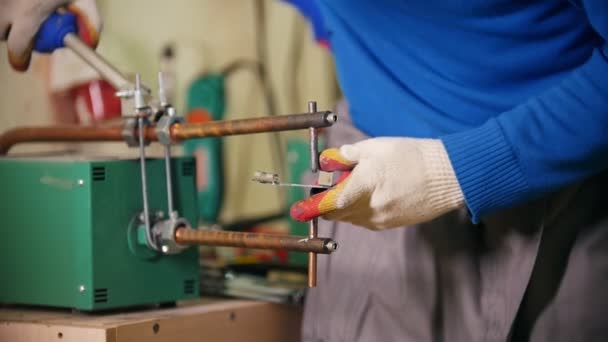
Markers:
204,237
72,133
312,257
257,125
179,132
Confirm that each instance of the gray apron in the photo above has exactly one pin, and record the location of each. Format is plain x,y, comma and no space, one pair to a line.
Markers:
538,272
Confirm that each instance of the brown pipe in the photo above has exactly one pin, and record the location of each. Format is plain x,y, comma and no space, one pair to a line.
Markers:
179,132
204,237
257,125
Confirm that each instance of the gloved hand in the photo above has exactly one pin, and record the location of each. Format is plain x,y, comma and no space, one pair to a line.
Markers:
21,19
393,182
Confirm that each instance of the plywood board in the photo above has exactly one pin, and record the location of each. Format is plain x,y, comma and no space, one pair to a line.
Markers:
209,320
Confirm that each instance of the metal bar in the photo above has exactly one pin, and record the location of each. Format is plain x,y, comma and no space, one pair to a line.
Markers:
314,167
105,69
179,132
203,237
313,140
144,185
312,257
169,180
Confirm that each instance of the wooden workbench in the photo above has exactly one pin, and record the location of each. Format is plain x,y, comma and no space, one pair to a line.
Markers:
199,320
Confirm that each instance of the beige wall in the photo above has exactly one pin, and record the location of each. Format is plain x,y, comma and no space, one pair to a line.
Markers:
207,35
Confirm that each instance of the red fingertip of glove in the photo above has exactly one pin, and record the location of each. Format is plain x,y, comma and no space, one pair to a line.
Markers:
332,160
307,209
343,176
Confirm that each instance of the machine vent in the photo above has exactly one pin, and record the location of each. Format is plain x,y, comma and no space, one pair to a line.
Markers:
101,295
189,286
99,173
188,168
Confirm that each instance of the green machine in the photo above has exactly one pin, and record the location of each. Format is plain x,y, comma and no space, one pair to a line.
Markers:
73,234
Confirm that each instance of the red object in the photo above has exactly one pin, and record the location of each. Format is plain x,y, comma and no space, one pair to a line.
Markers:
198,115
95,101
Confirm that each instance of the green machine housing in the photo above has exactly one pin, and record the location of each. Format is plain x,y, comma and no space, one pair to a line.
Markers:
69,237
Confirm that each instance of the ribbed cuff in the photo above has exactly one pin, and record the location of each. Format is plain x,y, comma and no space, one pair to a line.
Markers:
486,168
443,191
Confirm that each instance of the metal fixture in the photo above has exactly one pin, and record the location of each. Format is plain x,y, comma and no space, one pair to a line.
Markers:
173,234
263,177
167,230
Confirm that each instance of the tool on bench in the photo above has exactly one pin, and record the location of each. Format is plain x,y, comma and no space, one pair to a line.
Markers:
110,233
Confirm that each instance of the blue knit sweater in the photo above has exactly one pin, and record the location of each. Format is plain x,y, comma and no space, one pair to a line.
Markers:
517,90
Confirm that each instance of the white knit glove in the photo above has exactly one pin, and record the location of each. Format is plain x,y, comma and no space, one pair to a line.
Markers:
21,19
393,182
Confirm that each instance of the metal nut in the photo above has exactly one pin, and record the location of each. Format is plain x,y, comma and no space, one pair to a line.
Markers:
166,234
163,128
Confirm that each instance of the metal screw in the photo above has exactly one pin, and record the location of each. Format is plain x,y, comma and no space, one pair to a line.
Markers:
80,182
331,245
331,118
165,249
81,288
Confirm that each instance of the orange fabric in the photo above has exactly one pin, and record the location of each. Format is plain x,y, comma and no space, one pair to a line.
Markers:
21,63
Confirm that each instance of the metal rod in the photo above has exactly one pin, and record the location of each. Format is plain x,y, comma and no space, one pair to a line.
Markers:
204,237
169,179
312,257
313,140
105,69
179,132
144,184
313,225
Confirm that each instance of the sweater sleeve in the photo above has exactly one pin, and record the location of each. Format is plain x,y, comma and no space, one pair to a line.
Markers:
553,139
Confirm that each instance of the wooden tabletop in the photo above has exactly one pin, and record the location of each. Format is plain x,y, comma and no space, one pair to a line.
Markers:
197,320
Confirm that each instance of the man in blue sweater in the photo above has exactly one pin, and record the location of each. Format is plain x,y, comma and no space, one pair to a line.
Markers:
496,109
488,121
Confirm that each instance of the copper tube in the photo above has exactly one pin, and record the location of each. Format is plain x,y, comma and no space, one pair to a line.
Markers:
178,132
249,126
312,257
204,237
313,224
63,134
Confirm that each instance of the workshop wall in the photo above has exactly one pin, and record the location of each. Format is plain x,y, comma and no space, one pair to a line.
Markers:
207,35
